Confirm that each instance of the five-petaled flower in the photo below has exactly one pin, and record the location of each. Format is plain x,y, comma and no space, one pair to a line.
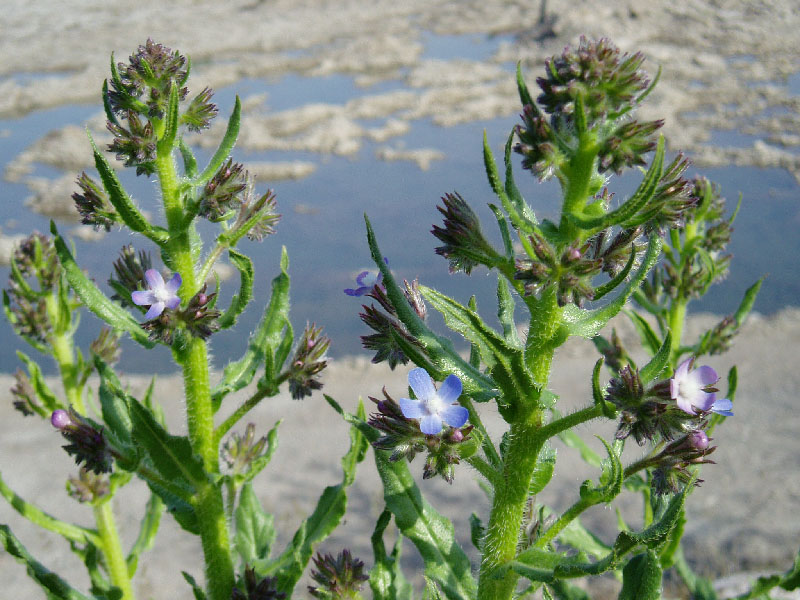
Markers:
433,407
158,295
693,389
365,281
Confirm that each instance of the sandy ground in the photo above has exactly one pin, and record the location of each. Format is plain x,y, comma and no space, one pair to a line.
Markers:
743,518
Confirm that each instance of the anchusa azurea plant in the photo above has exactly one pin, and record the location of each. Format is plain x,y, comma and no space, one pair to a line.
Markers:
645,257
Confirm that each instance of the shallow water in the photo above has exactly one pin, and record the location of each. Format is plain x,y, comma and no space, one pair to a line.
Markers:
323,229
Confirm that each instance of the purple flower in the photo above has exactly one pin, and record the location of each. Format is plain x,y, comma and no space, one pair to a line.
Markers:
365,281
433,407
693,389
158,295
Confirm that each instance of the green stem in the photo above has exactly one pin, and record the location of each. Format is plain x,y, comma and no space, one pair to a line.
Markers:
565,519
578,174
112,549
62,346
193,359
246,407
525,443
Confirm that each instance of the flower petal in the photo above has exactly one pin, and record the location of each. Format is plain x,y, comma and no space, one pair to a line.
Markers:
704,400
422,384
704,375
450,390
155,310
412,409
455,415
430,424
683,369
143,298
685,405
174,284
173,302
154,279
723,407
360,278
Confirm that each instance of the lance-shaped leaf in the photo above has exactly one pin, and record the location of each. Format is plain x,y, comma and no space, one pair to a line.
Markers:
543,471
93,298
506,363
148,527
43,392
255,532
70,532
115,405
189,160
641,578
649,338
588,323
55,587
518,211
439,351
505,313
610,480
625,214
167,141
658,363
239,301
264,341
747,302
598,393
385,578
289,566
432,534
225,146
117,195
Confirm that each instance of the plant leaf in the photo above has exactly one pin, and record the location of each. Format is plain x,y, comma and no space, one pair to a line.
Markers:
386,578
255,532
263,341
239,301
148,527
54,586
588,323
225,146
641,578
93,298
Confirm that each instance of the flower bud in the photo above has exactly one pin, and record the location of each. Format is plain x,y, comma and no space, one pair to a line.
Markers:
87,442
339,578
308,362
464,244
255,587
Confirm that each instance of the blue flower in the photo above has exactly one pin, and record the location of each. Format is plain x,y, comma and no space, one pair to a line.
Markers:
158,295
365,281
433,407
693,389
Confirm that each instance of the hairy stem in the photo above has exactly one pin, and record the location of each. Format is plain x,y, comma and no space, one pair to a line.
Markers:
112,549
193,359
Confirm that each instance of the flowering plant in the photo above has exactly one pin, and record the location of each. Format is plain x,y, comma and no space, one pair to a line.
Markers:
569,278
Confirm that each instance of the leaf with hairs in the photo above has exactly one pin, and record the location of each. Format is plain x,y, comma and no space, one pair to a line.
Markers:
53,585
255,531
641,578
93,298
239,301
225,146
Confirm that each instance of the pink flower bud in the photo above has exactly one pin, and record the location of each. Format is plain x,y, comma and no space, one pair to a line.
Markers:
60,419
699,440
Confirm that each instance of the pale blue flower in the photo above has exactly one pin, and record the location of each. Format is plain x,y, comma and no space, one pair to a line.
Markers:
365,281
158,295
433,407
692,390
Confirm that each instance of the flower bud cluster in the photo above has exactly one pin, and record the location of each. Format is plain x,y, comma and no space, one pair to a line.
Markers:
88,486
239,451
34,276
571,272
308,362
388,327
86,441
403,438
464,244
592,88
222,193
646,413
139,95
339,578
93,204
672,464
129,268
199,318
25,397
255,587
